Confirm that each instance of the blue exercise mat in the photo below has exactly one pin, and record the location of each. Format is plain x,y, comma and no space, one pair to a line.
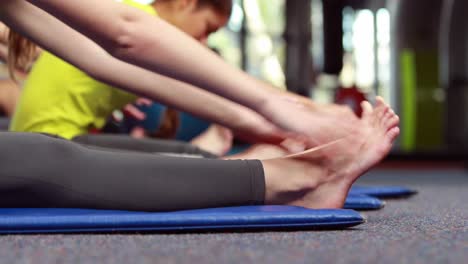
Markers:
382,191
45,220
363,202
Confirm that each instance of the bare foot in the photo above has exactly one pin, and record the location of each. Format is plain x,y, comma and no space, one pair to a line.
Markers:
138,132
216,139
321,177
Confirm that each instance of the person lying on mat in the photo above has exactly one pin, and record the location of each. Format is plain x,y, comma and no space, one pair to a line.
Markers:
56,172
61,100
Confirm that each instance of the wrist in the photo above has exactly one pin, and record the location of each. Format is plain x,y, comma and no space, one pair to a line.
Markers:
244,120
254,128
279,102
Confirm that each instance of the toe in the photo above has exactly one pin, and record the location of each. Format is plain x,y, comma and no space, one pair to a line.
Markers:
379,101
392,122
392,134
381,111
367,109
387,116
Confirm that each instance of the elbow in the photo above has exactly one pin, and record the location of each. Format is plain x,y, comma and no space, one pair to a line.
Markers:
127,37
97,73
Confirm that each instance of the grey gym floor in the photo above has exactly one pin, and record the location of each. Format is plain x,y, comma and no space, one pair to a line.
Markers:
431,227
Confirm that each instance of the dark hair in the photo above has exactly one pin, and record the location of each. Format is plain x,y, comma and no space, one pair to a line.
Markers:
222,6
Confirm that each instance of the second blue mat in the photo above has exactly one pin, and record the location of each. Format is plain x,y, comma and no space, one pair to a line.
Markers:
363,202
382,191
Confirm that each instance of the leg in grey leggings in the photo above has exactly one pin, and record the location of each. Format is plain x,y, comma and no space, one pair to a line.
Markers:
42,171
125,142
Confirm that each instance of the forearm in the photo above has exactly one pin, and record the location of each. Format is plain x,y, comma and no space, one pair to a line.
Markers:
186,97
146,41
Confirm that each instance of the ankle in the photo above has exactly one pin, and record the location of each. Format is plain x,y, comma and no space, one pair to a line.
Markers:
288,179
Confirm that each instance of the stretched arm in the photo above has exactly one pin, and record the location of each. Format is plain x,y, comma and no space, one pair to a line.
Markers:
60,39
143,40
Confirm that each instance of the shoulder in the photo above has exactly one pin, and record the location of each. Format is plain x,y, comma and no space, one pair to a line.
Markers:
144,7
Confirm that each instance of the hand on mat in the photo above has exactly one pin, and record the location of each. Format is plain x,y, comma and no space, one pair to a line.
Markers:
316,123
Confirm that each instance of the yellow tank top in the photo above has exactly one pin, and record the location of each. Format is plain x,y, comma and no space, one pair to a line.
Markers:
59,99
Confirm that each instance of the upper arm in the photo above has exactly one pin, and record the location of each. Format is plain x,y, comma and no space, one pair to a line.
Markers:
109,23
54,36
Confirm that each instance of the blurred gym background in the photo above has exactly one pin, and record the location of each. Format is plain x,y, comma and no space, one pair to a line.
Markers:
413,53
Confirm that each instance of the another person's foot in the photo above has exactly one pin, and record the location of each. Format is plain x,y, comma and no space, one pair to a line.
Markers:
216,139
321,177
138,132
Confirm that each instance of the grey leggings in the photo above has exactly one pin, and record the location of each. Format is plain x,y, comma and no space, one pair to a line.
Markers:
42,171
125,142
